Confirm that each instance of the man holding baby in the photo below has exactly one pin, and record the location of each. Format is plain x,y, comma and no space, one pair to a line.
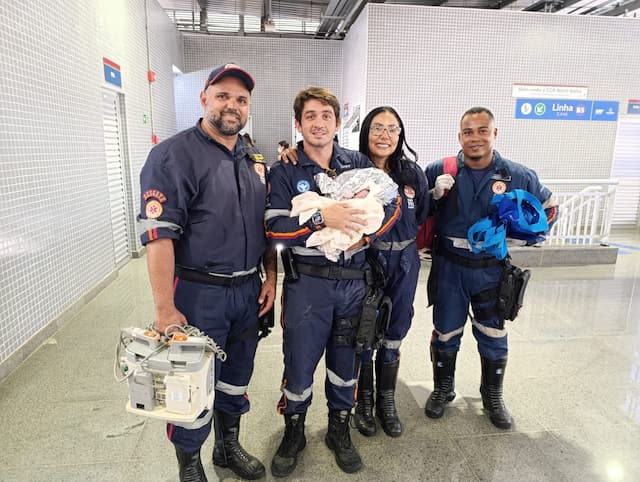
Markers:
321,299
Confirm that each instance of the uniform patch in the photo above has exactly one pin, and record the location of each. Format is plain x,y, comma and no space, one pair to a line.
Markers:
409,192
154,193
153,209
303,186
499,187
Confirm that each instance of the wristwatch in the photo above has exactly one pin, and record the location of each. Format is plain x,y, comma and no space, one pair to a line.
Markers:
317,220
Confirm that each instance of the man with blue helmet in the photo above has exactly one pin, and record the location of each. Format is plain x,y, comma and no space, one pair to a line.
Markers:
461,276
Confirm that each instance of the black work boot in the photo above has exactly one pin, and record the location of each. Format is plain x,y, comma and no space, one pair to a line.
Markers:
444,368
228,452
491,391
386,378
363,416
338,439
286,458
190,466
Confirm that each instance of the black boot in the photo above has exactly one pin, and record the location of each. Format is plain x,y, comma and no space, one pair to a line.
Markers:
491,391
363,416
229,453
444,368
286,458
386,378
338,439
190,466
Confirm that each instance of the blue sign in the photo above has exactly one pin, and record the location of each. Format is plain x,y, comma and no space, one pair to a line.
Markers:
604,111
566,109
634,106
111,72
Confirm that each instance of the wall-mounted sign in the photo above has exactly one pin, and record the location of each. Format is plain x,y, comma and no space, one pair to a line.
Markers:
548,91
111,72
566,109
633,107
604,110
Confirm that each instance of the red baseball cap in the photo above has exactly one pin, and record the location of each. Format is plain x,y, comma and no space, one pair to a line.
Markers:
230,70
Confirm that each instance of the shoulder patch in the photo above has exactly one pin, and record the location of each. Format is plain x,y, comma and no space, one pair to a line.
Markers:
254,155
153,209
154,194
303,186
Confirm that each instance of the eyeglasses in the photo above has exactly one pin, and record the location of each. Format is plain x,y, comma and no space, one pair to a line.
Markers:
376,130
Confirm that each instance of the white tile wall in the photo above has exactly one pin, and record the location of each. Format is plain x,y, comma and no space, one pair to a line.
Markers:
281,68
434,63
55,242
354,75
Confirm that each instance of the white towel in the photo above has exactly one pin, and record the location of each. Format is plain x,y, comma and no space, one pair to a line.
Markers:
330,240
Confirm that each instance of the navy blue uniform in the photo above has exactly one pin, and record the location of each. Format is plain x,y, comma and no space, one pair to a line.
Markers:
315,310
457,284
398,254
211,201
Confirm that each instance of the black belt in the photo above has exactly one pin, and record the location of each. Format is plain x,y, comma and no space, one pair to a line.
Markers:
330,272
468,262
208,279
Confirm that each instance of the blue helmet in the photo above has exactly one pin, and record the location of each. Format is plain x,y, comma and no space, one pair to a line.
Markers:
523,215
518,214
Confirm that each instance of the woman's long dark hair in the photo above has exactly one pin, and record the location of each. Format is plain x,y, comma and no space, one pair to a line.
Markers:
400,166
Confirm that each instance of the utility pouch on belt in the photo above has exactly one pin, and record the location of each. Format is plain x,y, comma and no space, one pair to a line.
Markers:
371,325
511,291
289,265
376,308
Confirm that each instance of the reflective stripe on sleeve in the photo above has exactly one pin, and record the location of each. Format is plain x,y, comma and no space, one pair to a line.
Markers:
274,213
149,224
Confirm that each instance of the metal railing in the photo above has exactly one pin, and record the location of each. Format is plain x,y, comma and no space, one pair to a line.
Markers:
586,207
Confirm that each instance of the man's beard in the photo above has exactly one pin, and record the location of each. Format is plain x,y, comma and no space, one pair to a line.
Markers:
225,128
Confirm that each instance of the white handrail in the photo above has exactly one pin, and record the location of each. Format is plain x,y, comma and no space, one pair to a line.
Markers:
585,212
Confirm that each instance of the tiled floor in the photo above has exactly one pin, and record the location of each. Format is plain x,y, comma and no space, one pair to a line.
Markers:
572,385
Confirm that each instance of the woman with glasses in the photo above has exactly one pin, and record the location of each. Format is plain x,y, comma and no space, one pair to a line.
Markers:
382,139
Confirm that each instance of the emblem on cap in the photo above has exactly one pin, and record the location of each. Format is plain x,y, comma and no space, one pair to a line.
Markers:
499,187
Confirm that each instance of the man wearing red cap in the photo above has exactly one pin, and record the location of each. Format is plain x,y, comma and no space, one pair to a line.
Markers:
203,202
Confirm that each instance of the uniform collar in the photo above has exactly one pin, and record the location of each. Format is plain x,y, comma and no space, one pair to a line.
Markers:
339,158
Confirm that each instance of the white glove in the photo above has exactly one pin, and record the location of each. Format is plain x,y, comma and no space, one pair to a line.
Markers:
444,182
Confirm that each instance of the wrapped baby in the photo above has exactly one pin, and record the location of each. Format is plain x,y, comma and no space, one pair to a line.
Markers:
367,189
